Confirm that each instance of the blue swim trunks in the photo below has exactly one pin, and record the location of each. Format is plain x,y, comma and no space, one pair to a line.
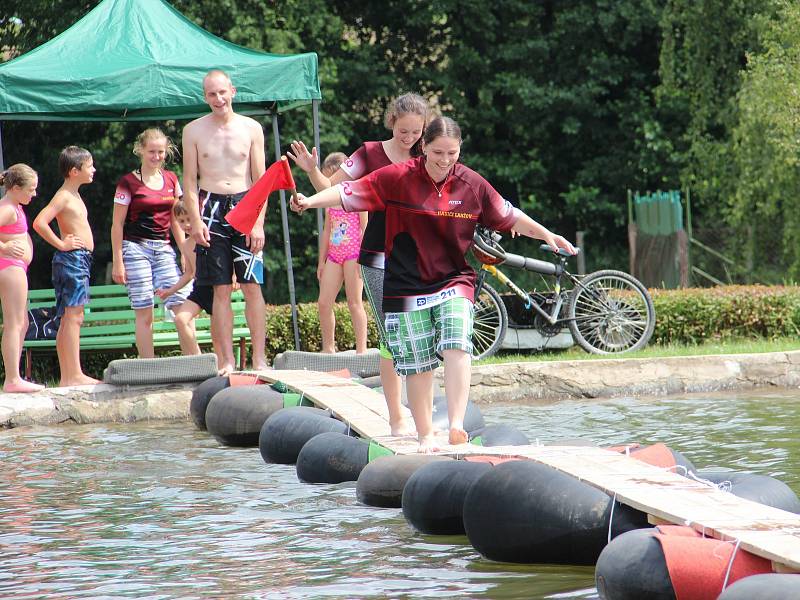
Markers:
71,271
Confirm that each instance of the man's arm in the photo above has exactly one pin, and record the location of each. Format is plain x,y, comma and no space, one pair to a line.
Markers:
257,167
190,191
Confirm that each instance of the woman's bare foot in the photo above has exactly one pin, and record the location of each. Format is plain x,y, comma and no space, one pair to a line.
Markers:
225,370
427,444
79,380
402,429
21,387
457,436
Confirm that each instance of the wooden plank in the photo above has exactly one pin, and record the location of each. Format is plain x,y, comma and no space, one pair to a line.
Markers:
664,495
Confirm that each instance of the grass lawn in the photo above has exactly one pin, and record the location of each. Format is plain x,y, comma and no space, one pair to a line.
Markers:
736,346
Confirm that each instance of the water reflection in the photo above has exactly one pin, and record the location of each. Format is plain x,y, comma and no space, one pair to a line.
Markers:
161,510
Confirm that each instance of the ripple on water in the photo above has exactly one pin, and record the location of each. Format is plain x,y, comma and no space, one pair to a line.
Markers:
161,510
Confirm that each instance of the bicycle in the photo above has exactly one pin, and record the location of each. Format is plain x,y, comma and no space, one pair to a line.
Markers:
607,311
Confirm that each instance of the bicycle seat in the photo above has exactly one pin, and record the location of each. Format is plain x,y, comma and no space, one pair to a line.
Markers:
561,251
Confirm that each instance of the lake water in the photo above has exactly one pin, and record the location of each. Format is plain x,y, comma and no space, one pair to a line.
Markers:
162,510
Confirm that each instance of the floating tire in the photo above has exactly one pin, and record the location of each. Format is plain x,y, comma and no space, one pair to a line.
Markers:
285,432
382,481
499,435
433,497
202,395
669,562
332,458
758,488
770,586
526,512
473,418
235,414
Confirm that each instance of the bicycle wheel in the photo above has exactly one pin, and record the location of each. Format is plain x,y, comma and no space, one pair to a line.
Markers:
490,323
611,312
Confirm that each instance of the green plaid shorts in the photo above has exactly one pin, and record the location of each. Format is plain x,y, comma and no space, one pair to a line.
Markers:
418,338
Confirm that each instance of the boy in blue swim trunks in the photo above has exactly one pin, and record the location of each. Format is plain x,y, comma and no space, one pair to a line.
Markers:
73,260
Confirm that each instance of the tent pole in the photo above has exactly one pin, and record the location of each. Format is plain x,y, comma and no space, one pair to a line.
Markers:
2,162
287,244
315,119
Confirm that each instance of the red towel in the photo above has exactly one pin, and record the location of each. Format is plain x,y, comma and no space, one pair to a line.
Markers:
277,177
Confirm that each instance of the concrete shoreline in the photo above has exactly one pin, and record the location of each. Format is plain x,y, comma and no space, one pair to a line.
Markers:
507,383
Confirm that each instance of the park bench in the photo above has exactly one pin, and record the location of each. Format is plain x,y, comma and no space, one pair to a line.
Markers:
109,323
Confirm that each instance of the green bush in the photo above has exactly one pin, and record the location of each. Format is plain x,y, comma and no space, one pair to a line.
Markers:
696,315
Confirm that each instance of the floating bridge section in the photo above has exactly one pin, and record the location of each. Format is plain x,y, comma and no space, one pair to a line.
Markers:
665,496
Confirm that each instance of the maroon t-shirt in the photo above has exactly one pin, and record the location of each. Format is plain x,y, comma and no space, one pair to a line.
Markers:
368,158
428,234
149,211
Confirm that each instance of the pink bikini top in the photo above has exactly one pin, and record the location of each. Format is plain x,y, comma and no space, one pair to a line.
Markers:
19,226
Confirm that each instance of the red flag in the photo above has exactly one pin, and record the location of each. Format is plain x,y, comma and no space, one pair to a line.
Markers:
277,177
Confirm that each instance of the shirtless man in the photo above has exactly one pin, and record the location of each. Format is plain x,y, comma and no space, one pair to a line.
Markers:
223,155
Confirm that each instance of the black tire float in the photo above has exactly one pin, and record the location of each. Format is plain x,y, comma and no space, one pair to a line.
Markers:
499,435
235,414
382,481
285,433
668,562
332,458
526,512
473,419
758,488
202,395
433,497
769,586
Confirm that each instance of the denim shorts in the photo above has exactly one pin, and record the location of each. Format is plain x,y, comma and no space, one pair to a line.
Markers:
150,265
71,272
418,338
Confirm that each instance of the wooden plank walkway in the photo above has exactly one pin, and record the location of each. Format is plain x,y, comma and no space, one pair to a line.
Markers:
665,496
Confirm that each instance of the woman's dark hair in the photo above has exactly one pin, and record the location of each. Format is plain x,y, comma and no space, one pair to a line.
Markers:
442,127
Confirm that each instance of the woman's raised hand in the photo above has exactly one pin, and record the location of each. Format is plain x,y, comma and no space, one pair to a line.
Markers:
302,157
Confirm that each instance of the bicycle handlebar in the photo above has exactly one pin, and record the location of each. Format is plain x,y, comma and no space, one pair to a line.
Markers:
487,242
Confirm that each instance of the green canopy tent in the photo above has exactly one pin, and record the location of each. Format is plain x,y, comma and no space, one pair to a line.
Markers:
141,60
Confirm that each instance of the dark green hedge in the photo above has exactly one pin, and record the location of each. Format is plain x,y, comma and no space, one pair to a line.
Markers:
689,316
696,315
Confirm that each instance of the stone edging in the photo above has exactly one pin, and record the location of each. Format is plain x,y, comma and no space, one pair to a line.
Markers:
563,380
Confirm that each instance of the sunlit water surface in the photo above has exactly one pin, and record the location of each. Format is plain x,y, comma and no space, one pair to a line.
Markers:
161,510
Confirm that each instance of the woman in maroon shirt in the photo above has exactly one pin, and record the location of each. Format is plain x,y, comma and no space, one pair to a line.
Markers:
432,204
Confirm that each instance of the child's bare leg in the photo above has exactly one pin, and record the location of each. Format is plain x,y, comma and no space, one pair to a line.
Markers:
222,327
68,347
144,332
456,385
420,387
254,314
185,314
329,285
354,287
14,298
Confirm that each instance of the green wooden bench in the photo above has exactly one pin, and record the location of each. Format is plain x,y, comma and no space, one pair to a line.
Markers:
109,323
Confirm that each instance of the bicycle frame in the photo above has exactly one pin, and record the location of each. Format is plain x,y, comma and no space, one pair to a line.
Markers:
552,316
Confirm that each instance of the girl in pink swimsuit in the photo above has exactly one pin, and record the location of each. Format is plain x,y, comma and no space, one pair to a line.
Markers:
338,253
16,252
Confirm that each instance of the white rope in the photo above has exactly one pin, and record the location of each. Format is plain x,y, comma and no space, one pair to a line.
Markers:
611,516
730,565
